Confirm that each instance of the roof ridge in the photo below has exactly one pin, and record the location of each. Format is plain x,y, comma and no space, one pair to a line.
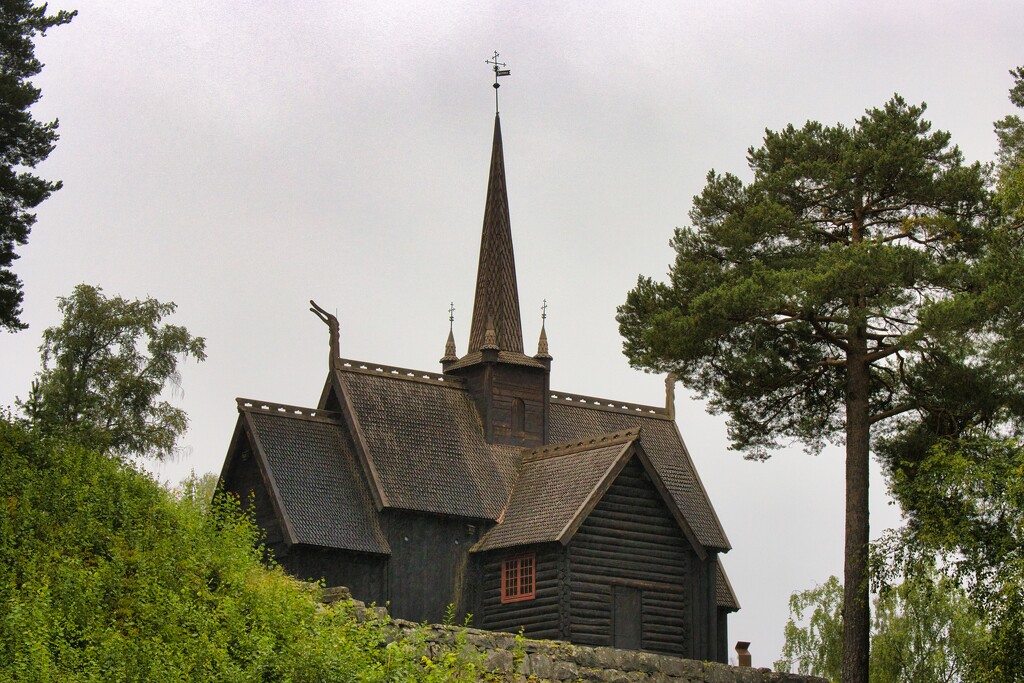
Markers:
595,403
250,405
394,372
509,357
578,445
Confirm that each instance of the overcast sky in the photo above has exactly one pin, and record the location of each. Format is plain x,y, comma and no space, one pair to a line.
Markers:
242,158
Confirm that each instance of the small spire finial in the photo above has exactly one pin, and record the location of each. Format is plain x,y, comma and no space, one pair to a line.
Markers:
542,343
498,72
450,354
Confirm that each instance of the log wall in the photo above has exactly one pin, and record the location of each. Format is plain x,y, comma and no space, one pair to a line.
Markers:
538,618
631,539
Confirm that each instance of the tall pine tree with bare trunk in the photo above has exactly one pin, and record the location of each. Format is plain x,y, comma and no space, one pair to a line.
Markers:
818,301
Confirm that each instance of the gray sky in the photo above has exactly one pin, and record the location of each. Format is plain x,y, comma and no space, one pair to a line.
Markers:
240,159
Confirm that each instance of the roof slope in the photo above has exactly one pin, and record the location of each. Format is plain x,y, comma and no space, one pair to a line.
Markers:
426,443
419,440
314,473
554,486
725,597
661,441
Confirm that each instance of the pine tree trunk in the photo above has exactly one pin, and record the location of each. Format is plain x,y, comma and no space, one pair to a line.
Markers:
856,615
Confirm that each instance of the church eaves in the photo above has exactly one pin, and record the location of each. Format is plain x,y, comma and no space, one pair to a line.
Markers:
497,295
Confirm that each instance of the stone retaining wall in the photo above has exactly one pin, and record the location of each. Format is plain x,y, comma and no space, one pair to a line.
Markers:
521,660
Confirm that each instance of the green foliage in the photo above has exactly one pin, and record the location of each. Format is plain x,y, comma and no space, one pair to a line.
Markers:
106,576
201,488
958,473
1005,277
814,632
924,630
24,141
964,503
848,242
1010,134
104,369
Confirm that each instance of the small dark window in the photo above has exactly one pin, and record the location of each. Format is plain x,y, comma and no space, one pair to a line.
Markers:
518,578
518,417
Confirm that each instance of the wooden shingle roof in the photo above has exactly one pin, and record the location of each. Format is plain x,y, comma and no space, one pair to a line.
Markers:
423,438
413,440
725,597
554,487
663,444
307,458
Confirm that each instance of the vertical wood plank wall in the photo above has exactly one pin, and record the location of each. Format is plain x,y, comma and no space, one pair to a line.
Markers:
494,386
429,565
363,574
245,481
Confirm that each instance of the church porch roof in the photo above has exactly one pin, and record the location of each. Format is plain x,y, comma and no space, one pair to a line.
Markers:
556,485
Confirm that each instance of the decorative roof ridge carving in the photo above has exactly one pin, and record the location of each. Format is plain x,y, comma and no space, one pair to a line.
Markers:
595,403
578,445
249,405
381,370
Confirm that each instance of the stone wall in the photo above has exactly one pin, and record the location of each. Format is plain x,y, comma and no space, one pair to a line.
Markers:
521,660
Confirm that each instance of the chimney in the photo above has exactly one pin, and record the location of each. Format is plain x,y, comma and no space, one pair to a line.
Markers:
742,654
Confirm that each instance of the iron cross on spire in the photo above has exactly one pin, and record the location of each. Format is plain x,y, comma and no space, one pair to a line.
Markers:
498,72
544,310
451,316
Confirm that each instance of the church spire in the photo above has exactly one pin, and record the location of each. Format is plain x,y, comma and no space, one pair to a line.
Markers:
497,295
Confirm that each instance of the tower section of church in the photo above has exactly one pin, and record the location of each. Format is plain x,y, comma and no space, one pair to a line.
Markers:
510,389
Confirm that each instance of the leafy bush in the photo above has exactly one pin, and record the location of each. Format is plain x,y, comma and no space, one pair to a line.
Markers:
106,576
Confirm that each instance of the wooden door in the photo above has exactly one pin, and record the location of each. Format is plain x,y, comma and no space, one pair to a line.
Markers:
626,620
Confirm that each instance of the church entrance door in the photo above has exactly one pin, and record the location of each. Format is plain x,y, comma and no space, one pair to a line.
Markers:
626,622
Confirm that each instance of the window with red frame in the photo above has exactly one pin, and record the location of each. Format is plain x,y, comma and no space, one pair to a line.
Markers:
518,578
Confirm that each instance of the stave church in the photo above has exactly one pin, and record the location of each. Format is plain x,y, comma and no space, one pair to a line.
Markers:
569,517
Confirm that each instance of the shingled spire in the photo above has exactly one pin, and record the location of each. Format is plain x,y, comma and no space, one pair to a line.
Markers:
510,389
497,295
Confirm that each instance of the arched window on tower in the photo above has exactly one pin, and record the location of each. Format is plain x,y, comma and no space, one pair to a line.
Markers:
518,417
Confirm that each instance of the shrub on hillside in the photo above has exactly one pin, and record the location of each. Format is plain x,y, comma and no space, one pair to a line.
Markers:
106,576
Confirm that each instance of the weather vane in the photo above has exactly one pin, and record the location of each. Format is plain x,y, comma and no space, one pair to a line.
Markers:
498,72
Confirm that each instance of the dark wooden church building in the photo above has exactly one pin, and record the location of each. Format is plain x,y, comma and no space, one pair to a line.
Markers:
571,517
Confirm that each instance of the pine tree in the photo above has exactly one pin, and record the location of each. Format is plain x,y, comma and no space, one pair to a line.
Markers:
817,301
24,141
